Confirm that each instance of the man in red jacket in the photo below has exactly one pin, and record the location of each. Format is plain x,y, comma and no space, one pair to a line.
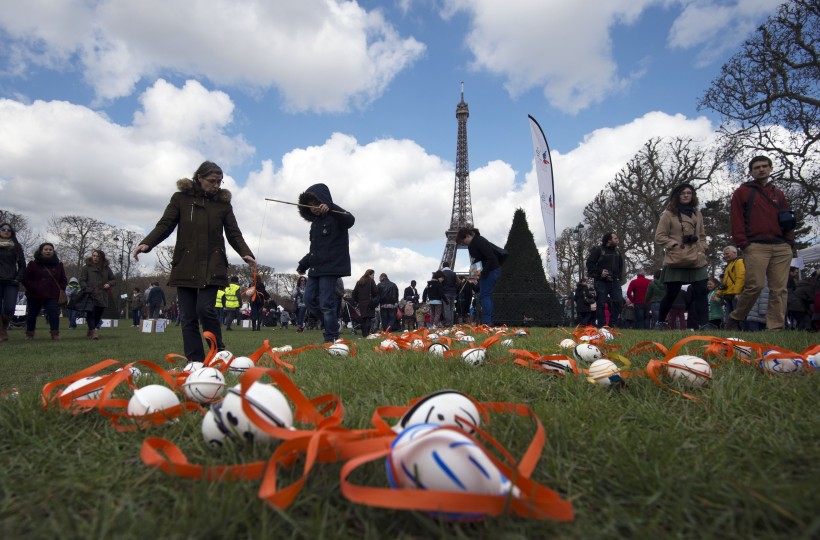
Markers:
636,292
762,227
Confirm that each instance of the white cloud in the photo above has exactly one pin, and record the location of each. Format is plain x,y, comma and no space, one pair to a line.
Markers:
716,27
563,47
566,49
321,55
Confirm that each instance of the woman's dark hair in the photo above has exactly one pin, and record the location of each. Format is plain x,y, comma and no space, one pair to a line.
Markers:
39,251
13,238
674,198
207,167
369,273
103,261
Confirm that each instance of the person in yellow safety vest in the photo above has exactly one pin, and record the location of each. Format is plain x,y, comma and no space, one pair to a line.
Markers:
219,305
231,302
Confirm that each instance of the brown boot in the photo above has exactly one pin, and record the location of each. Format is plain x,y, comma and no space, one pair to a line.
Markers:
94,334
55,335
29,335
4,324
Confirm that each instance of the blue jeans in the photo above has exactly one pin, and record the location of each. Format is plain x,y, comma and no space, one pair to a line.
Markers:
388,317
641,316
8,299
135,315
656,308
51,308
300,316
322,301
486,284
608,290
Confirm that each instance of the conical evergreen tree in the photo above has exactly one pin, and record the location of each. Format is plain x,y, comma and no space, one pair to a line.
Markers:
523,296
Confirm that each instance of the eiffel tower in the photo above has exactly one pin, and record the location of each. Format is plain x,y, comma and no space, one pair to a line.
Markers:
462,205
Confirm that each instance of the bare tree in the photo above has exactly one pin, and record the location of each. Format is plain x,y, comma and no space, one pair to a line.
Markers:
77,236
26,237
769,97
632,203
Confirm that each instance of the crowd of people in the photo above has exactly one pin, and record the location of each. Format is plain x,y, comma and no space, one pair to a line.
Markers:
758,289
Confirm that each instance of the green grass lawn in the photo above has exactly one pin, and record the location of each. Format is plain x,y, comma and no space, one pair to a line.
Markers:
641,462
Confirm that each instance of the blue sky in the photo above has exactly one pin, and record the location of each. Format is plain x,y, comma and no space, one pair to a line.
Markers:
103,105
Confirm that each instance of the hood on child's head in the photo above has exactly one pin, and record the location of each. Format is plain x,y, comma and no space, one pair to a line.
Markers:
314,196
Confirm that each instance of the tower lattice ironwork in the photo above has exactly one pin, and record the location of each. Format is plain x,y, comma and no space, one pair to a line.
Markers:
462,204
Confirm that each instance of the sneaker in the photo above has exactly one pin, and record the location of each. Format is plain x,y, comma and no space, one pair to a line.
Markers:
661,325
732,324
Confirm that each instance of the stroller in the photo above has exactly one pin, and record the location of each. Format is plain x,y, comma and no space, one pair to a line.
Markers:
349,314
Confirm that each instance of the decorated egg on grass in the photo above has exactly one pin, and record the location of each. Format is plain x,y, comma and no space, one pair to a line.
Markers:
388,345
205,385
561,367
467,339
604,371
151,399
92,391
605,334
813,360
432,336
474,357
135,373
521,333
425,456
338,349
192,366
373,336
567,344
507,342
443,408
437,349
689,369
240,364
213,430
223,356
417,344
780,366
741,351
586,352
265,399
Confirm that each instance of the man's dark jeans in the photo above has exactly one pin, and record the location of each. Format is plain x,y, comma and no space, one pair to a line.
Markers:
608,291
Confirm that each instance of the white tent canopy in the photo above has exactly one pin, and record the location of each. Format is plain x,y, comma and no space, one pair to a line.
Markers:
809,256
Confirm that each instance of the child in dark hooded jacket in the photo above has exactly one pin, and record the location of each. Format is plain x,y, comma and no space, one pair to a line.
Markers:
329,256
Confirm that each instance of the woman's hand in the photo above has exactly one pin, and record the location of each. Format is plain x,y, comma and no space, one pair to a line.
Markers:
250,260
142,248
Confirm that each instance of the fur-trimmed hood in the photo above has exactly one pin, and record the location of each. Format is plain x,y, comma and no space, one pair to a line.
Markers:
316,192
186,185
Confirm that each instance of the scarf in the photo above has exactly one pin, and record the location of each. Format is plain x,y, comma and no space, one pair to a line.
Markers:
686,209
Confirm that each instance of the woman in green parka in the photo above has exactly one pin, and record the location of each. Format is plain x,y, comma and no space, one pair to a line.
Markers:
200,211
96,281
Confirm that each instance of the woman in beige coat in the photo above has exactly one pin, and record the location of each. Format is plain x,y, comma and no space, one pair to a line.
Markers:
681,235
